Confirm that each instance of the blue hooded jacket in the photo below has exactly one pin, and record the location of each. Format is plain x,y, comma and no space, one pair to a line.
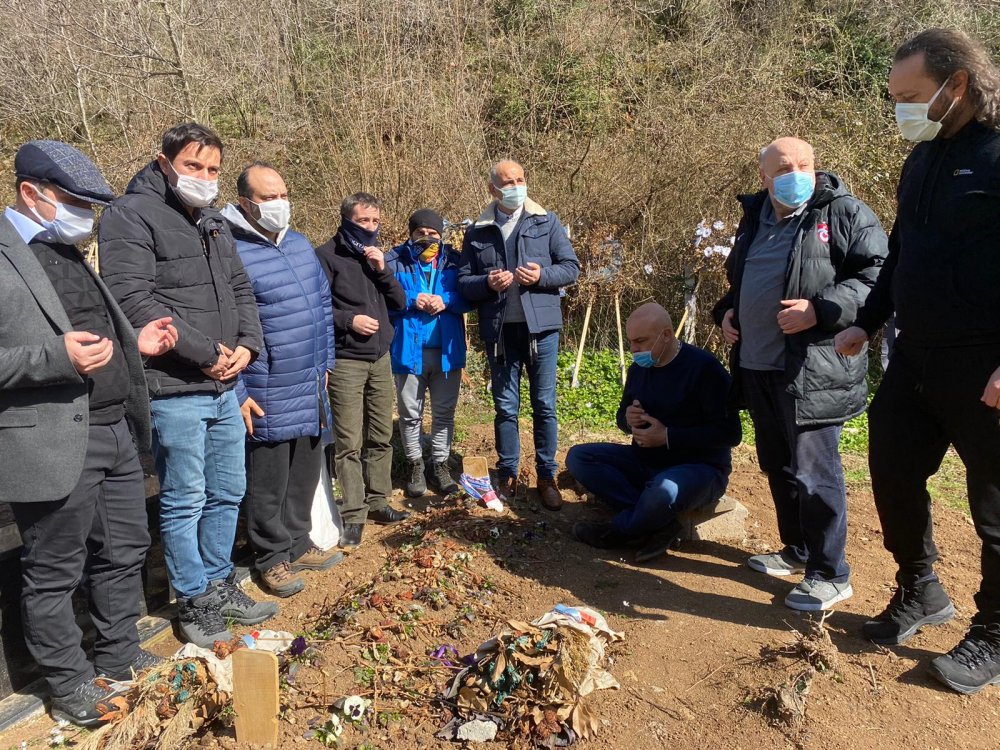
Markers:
296,314
411,324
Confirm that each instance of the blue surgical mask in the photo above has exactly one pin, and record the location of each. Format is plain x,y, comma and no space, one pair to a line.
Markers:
792,189
645,359
513,197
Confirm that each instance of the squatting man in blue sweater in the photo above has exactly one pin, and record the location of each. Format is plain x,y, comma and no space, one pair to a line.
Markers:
674,406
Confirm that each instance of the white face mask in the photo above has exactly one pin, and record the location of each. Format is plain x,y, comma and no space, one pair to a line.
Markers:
274,215
71,224
913,122
194,192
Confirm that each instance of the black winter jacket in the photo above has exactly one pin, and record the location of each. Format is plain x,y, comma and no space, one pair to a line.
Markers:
158,261
838,251
942,276
358,289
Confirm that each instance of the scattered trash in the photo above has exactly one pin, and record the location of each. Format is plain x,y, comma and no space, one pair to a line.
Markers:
481,489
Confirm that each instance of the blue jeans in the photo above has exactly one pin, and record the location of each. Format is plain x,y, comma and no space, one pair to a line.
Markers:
198,443
505,381
805,475
647,498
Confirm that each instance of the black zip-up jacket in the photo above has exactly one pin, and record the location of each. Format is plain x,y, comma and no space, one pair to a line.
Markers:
358,289
942,276
838,251
158,261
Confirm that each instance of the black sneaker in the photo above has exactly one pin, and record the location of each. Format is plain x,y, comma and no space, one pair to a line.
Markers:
86,704
350,538
911,607
974,663
139,664
416,486
659,542
236,605
199,620
440,479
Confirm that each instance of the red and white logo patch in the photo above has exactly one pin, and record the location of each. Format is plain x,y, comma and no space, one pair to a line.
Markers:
823,232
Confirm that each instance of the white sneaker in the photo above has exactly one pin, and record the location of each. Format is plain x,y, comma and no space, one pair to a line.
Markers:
814,595
776,564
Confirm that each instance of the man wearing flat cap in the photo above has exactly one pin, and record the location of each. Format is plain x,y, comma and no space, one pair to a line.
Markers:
73,408
428,349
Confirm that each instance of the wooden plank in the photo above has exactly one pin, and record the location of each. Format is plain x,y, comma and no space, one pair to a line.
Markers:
476,466
255,697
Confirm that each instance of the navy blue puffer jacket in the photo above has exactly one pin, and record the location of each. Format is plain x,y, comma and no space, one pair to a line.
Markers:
296,314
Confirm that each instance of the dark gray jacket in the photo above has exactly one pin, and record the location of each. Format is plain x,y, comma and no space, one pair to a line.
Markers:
838,251
541,239
44,415
158,261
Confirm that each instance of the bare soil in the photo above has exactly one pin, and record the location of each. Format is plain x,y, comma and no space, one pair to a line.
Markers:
708,643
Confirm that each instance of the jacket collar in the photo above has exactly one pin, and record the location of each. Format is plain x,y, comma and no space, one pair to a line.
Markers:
488,216
235,216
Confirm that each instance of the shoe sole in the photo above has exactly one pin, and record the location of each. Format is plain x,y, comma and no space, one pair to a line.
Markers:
938,618
283,593
335,559
822,606
60,715
957,686
414,493
386,523
776,572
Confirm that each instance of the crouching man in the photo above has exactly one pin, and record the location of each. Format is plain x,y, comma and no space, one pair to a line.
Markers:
674,406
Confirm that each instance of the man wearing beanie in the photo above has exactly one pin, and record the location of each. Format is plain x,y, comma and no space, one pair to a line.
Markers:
428,349
73,408
364,290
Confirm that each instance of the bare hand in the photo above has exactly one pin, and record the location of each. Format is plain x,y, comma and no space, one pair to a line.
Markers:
799,315
653,436
729,333
87,351
247,408
498,280
991,394
434,304
375,258
239,358
216,371
364,325
850,341
528,275
421,302
635,415
157,337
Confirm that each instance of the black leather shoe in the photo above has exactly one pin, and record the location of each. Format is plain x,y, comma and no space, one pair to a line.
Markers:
351,537
387,516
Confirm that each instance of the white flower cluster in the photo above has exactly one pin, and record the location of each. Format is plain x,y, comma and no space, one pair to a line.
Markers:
722,250
704,230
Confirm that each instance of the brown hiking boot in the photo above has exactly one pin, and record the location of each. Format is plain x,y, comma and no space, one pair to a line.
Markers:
281,581
551,497
316,559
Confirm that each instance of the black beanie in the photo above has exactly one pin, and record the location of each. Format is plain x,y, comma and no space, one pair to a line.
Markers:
425,217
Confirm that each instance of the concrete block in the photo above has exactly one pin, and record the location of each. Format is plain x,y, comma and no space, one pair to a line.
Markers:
725,520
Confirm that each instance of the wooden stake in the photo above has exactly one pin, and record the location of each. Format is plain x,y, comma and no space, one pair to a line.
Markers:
680,326
621,343
255,697
583,340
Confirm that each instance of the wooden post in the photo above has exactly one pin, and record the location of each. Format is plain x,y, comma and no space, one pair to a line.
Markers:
621,343
255,697
583,340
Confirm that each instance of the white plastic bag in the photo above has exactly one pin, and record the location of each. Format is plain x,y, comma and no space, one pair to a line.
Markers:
326,523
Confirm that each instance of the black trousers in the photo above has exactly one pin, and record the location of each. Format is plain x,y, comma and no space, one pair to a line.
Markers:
929,398
100,528
281,483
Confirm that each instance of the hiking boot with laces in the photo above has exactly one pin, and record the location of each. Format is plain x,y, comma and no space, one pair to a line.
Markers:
440,479
416,486
236,605
912,607
974,663
199,620
315,558
281,581
130,671
86,704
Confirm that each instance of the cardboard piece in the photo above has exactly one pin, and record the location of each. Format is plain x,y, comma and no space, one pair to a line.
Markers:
255,697
476,466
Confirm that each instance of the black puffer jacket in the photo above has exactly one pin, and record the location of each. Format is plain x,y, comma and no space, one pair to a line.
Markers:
838,251
158,261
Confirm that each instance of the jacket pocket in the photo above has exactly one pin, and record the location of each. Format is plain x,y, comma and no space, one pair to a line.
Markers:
21,417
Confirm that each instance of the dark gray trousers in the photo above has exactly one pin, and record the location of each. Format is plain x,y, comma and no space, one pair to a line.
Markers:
101,529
